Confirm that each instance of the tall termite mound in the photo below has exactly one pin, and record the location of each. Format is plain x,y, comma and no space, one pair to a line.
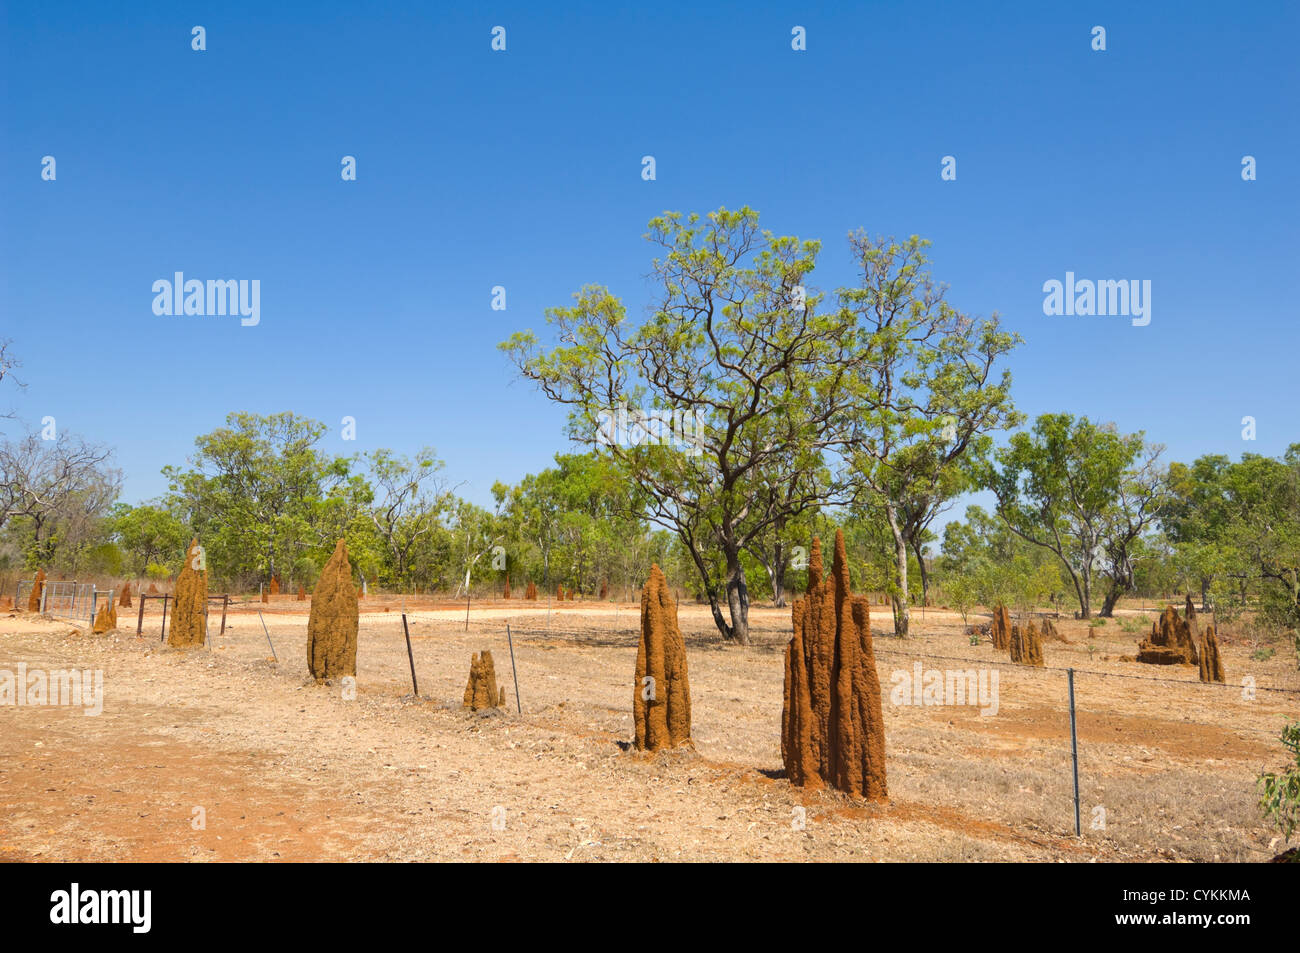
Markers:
153,590
832,727
1026,644
661,700
531,591
506,592
1001,630
105,618
482,690
302,593
125,600
187,628
1211,664
333,619
1172,641
38,587
275,585
559,592
604,588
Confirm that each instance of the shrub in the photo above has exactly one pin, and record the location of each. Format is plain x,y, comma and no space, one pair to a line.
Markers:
1280,793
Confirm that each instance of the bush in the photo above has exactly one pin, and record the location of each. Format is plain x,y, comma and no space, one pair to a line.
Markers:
1280,793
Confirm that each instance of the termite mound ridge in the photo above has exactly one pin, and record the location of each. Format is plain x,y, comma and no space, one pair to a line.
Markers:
125,600
333,620
832,725
1026,644
1050,631
661,700
38,587
531,591
1172,641
191,602
105,618
1001,630
1211,664
482,690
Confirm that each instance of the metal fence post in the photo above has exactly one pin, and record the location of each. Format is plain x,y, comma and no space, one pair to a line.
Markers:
139,622
1074,751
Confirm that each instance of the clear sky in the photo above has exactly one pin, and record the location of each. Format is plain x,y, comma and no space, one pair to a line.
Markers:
523,169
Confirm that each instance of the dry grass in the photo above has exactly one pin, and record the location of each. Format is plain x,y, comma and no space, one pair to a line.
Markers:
287,770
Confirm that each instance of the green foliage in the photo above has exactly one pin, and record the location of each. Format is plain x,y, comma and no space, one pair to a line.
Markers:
1083,492
1280,792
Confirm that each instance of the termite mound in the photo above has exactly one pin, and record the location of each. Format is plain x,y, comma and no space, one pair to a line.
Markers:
661,702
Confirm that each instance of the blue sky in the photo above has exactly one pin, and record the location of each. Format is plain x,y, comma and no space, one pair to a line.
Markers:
522,169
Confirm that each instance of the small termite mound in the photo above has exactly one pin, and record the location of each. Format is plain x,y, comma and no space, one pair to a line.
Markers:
105,618
531,591
661,702
38,587
482,690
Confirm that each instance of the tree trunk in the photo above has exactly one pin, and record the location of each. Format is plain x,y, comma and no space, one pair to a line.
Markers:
901,615
737,599
925,575
777,574
1108,606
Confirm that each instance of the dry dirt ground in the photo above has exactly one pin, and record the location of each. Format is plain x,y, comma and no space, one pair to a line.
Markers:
222,754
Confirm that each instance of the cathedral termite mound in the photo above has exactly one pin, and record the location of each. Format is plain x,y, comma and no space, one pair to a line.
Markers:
1001,630
188,628
1172,641
661,700
38,587
333,620
1026,644
832,726
482,690
105,618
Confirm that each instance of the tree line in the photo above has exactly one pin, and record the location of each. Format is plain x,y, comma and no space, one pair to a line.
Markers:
872,408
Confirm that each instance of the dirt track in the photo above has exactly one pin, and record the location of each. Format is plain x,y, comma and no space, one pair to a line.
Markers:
283,769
